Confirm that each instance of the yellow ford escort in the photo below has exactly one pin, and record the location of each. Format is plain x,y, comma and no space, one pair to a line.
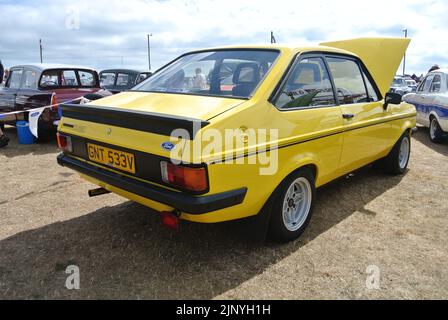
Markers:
245,131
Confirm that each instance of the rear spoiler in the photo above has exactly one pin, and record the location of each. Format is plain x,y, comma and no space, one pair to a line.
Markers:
157,123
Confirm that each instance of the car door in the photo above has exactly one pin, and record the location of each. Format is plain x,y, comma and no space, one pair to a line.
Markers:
308,111
28,90
8,93
422,100
366,135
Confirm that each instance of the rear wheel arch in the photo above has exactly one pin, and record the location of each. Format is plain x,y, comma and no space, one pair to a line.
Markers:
296,167
312,167
304,166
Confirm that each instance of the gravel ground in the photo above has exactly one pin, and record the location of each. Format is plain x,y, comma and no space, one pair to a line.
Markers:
47,222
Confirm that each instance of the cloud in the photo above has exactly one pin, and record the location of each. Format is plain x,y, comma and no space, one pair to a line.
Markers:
113,33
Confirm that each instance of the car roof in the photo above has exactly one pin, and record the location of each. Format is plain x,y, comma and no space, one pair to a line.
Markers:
279,47
124,70
47,66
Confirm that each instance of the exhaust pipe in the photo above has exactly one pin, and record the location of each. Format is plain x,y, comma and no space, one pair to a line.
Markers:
98,192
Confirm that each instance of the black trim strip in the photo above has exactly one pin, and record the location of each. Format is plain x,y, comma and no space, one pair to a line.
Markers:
180,201
303,141
157,123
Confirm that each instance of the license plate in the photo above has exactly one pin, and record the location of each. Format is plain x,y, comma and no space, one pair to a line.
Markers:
113,158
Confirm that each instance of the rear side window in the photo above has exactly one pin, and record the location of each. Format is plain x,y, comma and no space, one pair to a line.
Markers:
108,79
87,78
308,85
15,79
142,77
68,78
125,80
348,80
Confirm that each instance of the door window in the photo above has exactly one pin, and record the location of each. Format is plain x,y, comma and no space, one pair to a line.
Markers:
436,83
50,78
426,84
15,78
308,85
348,80
373,95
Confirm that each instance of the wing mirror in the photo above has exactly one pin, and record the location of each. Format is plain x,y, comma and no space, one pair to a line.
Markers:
392,98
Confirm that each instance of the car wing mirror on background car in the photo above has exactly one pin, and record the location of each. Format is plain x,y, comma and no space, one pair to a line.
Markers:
392,98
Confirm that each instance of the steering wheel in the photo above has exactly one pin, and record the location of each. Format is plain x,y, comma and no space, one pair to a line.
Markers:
49,83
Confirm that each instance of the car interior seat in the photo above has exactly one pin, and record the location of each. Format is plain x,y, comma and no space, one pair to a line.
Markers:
306,76
245,77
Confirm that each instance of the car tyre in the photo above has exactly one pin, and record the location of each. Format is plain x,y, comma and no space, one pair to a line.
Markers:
44,132
397,161
435,131
293,206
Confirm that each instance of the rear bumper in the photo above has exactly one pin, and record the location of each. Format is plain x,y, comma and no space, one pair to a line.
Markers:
180,201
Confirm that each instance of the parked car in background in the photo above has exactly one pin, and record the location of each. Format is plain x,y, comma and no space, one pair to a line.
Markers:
412,84
400,86
37,85
118,80
431,101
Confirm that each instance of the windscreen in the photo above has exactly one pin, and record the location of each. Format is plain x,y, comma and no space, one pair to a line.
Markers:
226,73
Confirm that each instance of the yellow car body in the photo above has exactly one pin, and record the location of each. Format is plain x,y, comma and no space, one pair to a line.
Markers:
319,138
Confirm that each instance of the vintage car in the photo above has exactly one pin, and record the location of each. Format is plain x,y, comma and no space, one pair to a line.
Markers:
118,80
431,101
412,84
293,120
37,85
400,86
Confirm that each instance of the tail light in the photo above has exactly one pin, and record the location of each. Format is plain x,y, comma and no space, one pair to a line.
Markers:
54,103
189,178
64,142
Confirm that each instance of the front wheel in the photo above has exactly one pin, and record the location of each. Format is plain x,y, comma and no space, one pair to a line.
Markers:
435,131
293,206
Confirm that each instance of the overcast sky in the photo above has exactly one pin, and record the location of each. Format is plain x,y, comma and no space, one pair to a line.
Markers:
105,33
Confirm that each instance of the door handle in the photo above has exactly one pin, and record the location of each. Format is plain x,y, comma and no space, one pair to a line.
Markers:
348,115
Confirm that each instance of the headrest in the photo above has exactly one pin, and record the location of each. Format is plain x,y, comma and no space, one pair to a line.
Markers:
314,68
246,72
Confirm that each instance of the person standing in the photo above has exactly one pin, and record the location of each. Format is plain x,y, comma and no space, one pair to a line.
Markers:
199,80
2,71
3,139
434,68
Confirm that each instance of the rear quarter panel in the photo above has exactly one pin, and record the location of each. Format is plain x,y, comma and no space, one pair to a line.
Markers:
305,137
